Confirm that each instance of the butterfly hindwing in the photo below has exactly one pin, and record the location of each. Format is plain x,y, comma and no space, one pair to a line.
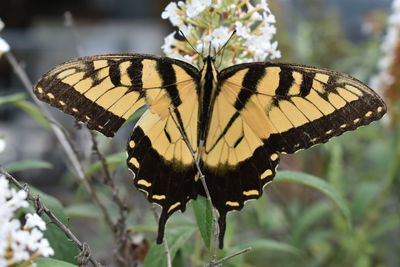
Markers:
160,158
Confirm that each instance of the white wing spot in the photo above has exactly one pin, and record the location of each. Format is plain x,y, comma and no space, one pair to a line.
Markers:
368,114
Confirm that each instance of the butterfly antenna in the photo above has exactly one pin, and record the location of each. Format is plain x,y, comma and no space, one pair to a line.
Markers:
184,37
223,47
202,48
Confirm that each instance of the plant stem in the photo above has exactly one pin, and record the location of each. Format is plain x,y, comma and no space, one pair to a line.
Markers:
203,181
165,242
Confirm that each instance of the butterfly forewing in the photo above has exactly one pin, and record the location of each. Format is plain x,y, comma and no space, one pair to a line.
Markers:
105,90
301,106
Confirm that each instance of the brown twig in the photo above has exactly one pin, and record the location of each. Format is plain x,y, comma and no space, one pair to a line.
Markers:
203,181
123,243
123,207
218,262
214,261
59,132
165,242
41,207
121,236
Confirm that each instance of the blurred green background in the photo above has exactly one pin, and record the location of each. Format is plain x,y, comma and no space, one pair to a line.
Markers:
292,224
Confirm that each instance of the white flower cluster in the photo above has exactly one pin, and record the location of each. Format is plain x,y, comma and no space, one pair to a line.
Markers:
19,243
4,47
208,24
389,46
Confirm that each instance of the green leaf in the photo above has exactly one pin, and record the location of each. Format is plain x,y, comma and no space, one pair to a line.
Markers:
177,239
12,98
64,249
136,115
313,215
203,214
266,244
34,112
47,262
113,161
19,101
27,165
319,184
86,210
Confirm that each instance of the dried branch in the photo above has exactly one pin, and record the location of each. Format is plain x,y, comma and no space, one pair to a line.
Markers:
203,181
59,132
165,242
123,207
120,229
218,262
41,207
122,251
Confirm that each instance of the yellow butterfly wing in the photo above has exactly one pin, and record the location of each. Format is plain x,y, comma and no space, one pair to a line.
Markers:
263,109
103,91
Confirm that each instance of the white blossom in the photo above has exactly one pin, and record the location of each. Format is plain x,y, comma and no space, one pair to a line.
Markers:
34,220
211,28
45,248
4,46
2,144
242,30
169,41
20,243
219,36
196,7
263,4
171,12
388,47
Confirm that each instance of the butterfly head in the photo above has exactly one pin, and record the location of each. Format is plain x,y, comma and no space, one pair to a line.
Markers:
208,58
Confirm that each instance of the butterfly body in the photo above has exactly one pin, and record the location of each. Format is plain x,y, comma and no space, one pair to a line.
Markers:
236,120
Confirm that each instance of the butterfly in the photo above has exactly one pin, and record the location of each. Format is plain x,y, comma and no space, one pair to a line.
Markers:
236,121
